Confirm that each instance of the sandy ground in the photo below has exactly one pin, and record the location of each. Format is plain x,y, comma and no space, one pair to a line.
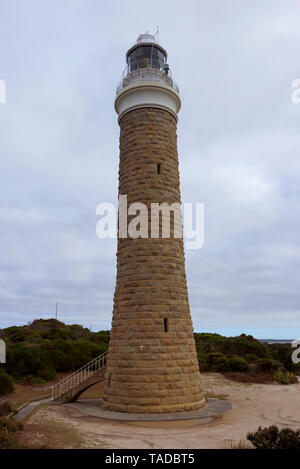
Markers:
252,405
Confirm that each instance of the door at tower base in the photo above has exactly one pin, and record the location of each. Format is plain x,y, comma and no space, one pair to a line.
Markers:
152,364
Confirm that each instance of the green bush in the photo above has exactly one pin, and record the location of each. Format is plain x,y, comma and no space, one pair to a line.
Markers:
221,363
10,425
217,361
8,433
273,438
6,384
34,380
202,361
47,374
267,364
37,351
43,360
251,358
213,356
5,408
238,364
285,377
23,360
242,345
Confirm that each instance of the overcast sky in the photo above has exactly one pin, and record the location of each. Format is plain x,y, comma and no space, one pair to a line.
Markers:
238,139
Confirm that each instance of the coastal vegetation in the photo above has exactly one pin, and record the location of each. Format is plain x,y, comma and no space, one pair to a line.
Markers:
273,438
39,350
36,352
246,355
9,434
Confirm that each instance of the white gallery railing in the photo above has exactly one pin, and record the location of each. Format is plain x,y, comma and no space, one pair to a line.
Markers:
146,70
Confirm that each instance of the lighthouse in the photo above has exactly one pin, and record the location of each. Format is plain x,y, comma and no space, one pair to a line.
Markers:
152,363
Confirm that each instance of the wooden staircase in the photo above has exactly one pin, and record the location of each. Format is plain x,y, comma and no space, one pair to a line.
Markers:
70,388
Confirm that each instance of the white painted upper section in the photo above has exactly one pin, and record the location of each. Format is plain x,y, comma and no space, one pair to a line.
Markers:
147,82
147,94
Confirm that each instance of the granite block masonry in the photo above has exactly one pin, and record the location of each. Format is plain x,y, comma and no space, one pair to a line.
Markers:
152,364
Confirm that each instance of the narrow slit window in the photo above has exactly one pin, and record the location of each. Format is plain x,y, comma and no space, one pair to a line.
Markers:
158,168
109,379
166,325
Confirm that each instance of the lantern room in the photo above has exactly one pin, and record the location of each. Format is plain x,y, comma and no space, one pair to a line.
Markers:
146,53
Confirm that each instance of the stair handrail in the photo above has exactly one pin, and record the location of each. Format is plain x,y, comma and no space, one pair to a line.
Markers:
79,375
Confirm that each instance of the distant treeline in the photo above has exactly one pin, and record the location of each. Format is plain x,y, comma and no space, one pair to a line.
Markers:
36,352
242,353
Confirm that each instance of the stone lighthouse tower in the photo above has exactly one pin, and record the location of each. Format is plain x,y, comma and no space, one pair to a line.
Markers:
152,365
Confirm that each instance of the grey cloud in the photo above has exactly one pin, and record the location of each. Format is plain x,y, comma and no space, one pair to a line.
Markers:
238,147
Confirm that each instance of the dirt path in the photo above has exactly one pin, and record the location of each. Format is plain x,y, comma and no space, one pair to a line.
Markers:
252,405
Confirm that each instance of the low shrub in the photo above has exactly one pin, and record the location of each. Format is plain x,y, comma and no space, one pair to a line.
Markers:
285,377
10,425
35,380
6,384
45,359
202,361
8,433
267,364
221,363
250,358
5,408
273,438
238,364
242,345
46,374
217,361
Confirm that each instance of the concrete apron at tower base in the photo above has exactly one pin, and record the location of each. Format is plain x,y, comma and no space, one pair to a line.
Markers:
213,409
154,409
